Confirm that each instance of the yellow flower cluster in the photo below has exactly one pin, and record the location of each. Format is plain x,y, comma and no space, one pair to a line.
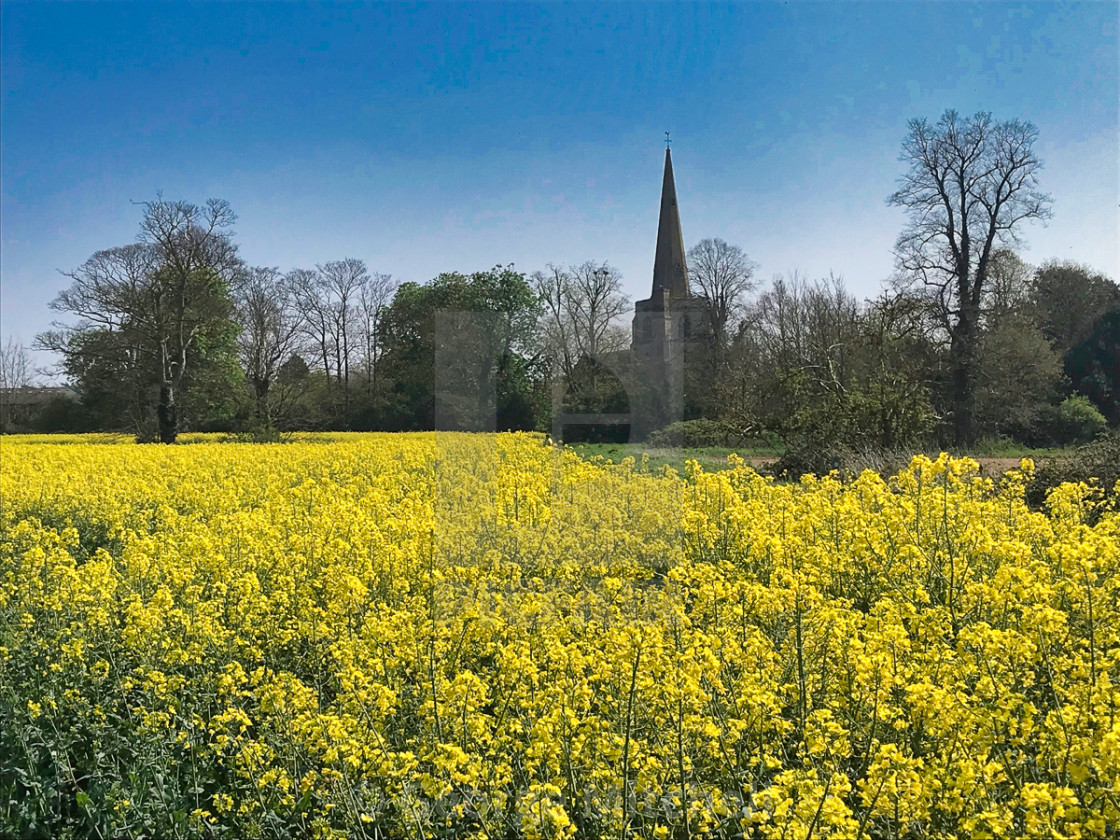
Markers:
444,635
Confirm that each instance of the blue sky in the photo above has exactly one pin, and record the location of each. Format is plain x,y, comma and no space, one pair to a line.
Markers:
429,138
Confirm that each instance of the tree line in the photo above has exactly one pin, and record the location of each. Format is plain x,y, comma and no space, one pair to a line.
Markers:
820,369
175,331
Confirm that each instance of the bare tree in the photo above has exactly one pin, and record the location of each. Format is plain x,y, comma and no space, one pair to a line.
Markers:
552,288
340,303
270,336
15,365
341,281
808,327
582,305
314,307
15,373
819,368
117,333
969,185
596,302
374,297
112,290
725,275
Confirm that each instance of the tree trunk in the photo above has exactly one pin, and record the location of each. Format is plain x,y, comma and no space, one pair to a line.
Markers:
167,414
261,386
962,355
484,420
326,364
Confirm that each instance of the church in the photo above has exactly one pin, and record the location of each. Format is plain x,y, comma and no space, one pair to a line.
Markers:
669,327
669,336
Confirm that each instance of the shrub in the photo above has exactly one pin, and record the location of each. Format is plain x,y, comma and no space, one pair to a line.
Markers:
1074,421
260,433
1097,462
697,433
820,459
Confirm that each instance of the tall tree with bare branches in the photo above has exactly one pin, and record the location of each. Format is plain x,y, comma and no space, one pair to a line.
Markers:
156,307
342,281
374,297
270,336
16,370
970,184
556,328
582,306
314,306
725,275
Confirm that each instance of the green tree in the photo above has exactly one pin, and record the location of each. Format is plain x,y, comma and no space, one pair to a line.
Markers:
1078,310
1074,421
895,362
1093,366
1019,375
1008,292
821,371
157,315
462,349
1069,299
116,387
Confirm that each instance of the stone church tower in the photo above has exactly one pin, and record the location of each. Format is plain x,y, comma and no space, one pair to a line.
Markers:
666,325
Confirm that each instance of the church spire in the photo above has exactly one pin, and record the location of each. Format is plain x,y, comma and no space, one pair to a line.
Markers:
669,271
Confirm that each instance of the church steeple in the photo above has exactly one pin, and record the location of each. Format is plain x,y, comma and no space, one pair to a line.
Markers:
669,270
668,327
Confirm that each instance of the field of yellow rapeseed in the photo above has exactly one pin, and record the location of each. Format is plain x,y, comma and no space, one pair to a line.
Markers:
441,635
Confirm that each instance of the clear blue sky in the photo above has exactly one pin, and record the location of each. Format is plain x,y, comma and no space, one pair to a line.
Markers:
453,137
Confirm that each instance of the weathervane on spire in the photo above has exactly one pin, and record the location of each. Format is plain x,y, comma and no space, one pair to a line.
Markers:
667,140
